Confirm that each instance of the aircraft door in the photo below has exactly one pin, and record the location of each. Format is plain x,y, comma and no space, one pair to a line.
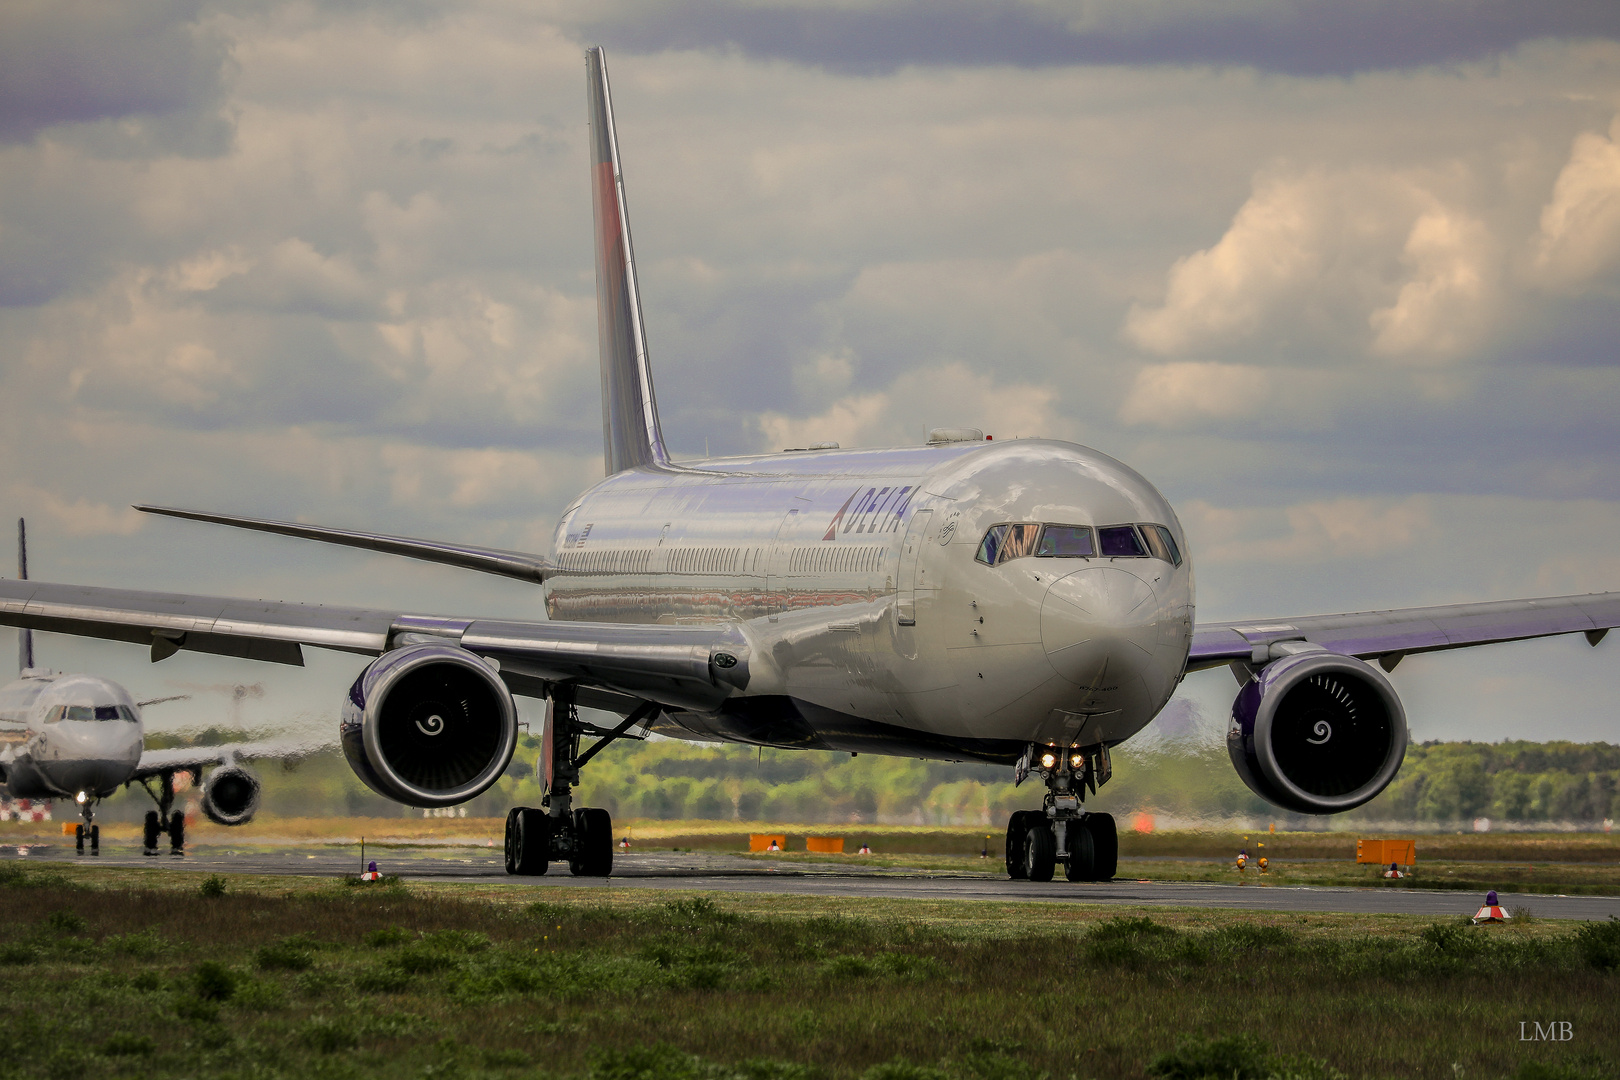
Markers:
910,553
776,563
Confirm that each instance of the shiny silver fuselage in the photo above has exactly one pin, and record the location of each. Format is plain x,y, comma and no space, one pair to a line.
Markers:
870,624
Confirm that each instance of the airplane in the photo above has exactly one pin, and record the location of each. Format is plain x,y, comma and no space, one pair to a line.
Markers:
81,737
1025,602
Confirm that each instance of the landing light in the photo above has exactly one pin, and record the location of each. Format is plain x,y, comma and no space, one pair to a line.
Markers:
81,798
1076,760
1048,760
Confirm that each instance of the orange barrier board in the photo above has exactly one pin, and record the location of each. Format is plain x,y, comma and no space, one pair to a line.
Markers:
762,841
1384,852
828,845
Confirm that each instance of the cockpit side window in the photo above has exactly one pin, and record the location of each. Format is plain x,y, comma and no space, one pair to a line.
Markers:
1162,544
1021,541
1121,541
1065,542
990,547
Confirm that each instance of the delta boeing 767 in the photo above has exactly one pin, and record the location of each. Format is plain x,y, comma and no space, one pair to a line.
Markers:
1028,603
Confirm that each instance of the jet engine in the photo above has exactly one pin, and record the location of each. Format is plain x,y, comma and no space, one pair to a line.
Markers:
230,795
1317,732
429,725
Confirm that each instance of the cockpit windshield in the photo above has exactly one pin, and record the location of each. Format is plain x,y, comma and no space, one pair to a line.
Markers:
1016,540
90,712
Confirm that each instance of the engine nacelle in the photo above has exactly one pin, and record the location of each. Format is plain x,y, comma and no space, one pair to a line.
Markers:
429,725
1317,732
230,795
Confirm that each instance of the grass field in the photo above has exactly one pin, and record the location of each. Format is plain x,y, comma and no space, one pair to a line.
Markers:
152,972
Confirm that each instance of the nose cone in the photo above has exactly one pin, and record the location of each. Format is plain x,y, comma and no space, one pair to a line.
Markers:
1097,619
93,756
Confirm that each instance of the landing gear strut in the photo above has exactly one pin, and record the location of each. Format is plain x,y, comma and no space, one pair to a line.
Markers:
1062,831
88,830
557,832
165,819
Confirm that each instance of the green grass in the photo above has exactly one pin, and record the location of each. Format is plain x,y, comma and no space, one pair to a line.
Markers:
138,973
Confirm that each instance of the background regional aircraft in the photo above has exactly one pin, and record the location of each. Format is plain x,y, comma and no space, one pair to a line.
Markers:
81,737
1028,603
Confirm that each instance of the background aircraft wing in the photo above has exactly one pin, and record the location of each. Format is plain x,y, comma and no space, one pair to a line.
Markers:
513,564
157,762
1387,636
687,667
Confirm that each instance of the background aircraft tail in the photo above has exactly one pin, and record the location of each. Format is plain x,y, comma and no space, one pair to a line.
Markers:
629,413
25,638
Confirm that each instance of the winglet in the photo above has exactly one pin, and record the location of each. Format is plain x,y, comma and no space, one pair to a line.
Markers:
630,431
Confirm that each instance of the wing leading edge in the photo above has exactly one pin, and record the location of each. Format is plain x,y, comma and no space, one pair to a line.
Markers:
1387,636
685,667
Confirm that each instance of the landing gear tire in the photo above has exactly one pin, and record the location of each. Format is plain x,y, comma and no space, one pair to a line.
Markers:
528,843
1104,846
1016,828
593,843
95,839
150,830
1040,851
1082,862
177,834
78,839
510,841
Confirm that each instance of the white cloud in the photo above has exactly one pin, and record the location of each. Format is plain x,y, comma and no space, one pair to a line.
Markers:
1178,393
1579,238
79,517
1444,307
1311,253
1318,531
950,396
1226,293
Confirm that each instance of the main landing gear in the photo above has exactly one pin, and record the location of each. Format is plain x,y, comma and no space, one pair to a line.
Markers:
165,819
88,830
1086,844
556,832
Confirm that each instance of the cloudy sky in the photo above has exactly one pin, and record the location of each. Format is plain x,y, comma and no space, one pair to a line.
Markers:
1341,278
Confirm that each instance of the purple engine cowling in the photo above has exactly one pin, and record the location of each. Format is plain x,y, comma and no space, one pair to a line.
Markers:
1317,732
429,725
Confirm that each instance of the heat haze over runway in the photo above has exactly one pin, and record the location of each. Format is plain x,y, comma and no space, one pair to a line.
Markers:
708,871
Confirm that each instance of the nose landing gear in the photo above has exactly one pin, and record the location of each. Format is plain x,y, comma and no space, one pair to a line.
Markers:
1085,843
88,829
557,832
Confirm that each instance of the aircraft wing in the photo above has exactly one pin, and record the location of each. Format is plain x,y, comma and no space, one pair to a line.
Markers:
684,667
1387,636
156,762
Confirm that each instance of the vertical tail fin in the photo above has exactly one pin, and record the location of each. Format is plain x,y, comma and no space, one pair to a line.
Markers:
25,638
629,413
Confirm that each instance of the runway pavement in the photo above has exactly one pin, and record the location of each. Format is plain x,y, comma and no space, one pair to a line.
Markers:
731,873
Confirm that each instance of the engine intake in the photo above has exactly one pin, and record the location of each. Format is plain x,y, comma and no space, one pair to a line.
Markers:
230,795
429,725
1317,732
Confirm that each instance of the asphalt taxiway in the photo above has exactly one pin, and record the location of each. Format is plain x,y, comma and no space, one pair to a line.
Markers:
720,872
